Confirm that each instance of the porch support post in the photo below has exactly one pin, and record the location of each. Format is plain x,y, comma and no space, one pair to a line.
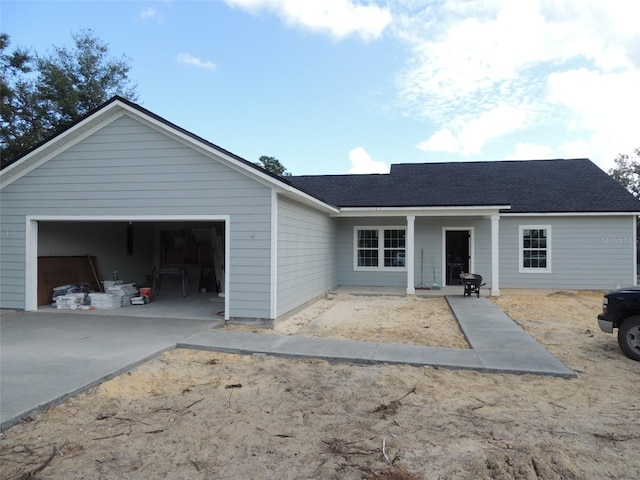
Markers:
495,255
410,254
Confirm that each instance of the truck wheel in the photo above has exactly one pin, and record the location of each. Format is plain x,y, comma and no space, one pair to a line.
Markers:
629,338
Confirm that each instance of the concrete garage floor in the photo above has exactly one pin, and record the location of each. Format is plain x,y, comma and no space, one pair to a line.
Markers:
169,304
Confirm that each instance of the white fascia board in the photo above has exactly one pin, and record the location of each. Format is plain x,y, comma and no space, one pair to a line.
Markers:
306,199
422,211
128,218
570,214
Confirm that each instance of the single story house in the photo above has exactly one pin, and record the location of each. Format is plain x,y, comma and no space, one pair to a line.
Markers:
136,192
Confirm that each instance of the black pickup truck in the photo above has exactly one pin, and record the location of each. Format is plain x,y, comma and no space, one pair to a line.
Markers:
621,310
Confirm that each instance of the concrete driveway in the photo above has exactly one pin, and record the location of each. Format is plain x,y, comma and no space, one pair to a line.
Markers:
46,358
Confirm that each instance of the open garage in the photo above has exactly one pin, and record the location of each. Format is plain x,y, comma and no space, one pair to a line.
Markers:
124,193
145,252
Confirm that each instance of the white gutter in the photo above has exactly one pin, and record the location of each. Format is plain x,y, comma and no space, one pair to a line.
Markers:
570,214
480,210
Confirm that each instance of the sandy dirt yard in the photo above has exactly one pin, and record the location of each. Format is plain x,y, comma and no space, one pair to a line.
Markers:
384,319
203,415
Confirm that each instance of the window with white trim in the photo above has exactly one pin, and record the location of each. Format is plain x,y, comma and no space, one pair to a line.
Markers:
380,248
535,248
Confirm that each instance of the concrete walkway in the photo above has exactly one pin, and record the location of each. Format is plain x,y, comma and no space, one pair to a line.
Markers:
498,345
46,358
501,345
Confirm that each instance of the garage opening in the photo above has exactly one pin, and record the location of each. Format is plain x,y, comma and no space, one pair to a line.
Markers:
182,260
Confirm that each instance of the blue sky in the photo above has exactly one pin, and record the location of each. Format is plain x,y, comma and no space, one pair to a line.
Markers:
351,86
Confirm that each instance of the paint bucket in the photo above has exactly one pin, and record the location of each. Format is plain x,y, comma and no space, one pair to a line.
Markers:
146,291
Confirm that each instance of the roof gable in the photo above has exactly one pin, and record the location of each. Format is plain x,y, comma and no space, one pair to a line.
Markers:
116,108
98,118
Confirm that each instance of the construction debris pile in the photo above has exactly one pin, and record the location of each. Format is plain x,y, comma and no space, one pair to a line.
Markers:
117,294
72,297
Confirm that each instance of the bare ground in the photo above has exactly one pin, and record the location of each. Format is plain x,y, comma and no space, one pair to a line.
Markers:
202,415
384,319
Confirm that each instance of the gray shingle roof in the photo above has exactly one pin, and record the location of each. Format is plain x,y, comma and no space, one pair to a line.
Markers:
535,186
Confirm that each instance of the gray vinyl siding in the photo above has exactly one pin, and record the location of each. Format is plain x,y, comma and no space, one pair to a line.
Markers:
306,254
12,260
586,253
483,249
428,257
428,252
129,168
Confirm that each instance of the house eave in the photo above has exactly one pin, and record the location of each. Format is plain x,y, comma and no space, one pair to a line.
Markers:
440,211
306,199
568,214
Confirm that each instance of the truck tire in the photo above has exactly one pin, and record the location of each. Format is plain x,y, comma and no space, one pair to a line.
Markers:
629,337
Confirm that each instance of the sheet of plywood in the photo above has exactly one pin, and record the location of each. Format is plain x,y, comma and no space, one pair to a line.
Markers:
57,271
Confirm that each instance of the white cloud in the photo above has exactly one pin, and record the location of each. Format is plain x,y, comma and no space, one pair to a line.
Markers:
474,133
188,59
574,64
338,18
603,104
491,124
576,149
441,141
150,14
530,151
361,162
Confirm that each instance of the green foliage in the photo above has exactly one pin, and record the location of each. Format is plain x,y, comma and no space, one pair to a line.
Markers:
627,171
20,123
273,165
42,95
74,82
